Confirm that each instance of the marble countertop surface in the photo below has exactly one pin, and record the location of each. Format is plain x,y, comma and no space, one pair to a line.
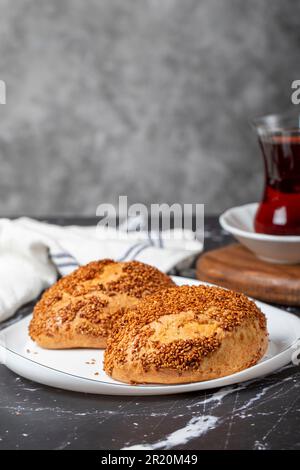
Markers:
260,414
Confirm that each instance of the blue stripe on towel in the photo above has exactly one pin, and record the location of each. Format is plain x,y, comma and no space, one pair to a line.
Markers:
150,238
160,240
128,251
61,255
142,248
67,260
63,265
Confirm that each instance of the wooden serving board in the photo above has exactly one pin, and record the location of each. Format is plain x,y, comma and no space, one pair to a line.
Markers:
237,268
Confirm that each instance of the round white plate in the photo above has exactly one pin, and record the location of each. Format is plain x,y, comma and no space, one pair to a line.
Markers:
81,370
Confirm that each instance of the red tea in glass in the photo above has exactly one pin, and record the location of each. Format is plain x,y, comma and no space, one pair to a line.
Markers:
279,211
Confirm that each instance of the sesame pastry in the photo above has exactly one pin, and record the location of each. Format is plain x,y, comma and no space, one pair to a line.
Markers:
80,309
186,334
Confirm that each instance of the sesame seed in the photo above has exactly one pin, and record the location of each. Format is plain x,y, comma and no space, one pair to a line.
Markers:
132,336
89,300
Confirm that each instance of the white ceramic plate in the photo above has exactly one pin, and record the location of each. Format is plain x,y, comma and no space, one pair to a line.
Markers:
75,369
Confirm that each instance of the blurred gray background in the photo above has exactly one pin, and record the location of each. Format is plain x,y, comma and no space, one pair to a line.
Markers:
147,98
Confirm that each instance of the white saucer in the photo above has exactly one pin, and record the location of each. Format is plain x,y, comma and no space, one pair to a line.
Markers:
239,221
75,369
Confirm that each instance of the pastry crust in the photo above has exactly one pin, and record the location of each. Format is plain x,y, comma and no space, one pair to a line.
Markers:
79,310
186,334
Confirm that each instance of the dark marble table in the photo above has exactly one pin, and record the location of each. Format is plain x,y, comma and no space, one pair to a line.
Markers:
261,414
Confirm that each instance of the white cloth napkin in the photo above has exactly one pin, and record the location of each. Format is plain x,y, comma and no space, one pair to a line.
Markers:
33,254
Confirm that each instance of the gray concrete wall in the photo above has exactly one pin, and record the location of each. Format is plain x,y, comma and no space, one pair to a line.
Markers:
148,98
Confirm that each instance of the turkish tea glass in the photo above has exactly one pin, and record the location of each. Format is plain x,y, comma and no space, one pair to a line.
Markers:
279,140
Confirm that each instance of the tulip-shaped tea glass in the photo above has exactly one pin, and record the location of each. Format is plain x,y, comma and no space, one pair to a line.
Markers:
279,139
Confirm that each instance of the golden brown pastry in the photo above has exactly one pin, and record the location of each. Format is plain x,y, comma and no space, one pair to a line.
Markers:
80,309
186,334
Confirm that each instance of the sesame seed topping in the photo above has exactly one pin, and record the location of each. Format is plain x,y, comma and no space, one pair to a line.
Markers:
193,317
87,301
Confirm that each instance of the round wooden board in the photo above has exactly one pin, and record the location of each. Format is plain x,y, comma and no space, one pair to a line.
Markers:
237,268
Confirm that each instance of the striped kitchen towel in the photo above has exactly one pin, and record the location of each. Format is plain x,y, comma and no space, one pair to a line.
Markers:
33,254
